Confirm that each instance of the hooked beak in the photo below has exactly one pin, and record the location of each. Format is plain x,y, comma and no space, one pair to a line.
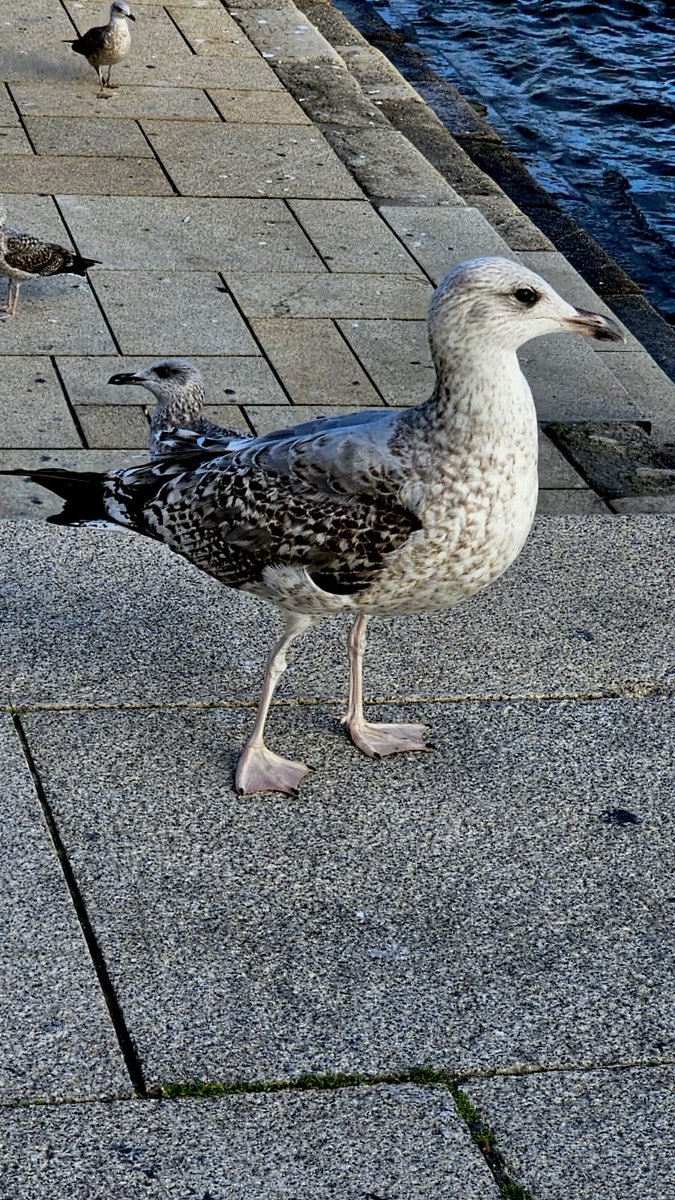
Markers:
129,378
593,325
130,17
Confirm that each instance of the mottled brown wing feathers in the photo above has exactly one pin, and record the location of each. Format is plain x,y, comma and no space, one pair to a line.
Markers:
91,42
26,253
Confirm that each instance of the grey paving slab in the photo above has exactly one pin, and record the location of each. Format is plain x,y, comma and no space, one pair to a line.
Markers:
86,176
230,416
314,363
56,1039
335,295
439,238
38,214
396,355
258,108
227,380
34,411
554,469
569,500
57,315
511,224
252,74
266,160
644,504
92,138
388,167
211,31
350,236
380,1141
598,1133
8,113
19,499
179,313
285,34
193,234
464,909
12,141
118,426
79,99
650,389
267,417
582,611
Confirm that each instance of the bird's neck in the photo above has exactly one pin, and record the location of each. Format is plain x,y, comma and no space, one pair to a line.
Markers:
179,411
478,391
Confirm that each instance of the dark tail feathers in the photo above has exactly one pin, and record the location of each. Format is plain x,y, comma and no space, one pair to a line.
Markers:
80,266
81,490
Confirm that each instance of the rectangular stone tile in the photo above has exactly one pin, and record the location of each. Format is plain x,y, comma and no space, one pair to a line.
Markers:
350,236
79,99
92,138
56,315
313,1145
179,313
211,31
229,416
439,238
556,270
37,214
335,295
119,426
644,504
427,909
588,1134
258,108
34,412
244,74
267,417
314,363
265,160
86,176
554,469
12,141
396,355
571,382
8,113
388,167
517,230
649,388
228,380
284,33
56,1038
190,233
581,611
22,500
153,34
569,500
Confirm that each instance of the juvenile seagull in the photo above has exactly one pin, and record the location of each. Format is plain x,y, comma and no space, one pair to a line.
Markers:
178,387
106,45
378,513
24,256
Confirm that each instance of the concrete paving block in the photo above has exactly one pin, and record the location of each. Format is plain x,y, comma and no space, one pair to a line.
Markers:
582,611
153,34
267,417
350,236
571,382
91,138
388,167
85,176
180,313
56,315
37,214
439,238
229,416
244,74
264,160
554,469
13,140
34,412
212,32
644,504
258,108
351,1143
118,426
597,1133
569,500
228,380
285,35
190,233
335,295
8,113
56,1039
556,270
330,95
314,363
396,355
79,99
21,500
511,224
465,909
649,388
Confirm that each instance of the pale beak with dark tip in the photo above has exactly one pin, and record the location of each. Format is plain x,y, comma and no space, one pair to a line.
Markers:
593,325
127,379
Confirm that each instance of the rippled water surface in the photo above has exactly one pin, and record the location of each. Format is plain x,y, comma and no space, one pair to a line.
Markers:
584,92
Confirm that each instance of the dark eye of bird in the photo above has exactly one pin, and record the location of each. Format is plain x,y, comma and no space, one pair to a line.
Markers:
526,296
163,372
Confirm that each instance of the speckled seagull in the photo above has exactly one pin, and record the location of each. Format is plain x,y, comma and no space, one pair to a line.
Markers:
106,45
378,513
178,388
24,256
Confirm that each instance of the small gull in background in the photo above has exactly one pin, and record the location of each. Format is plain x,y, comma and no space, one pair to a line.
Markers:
380,513
24,256
106,45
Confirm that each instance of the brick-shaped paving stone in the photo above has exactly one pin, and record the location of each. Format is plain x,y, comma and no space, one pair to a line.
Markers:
439,238
106,176
212,32
118,426
314,363
56,315
351,236
258,108
34,411
79,100
335,295
89,137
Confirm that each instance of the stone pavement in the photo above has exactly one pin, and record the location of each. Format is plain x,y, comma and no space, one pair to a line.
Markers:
448,975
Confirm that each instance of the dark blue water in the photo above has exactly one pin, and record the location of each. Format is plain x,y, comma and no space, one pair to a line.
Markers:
584,92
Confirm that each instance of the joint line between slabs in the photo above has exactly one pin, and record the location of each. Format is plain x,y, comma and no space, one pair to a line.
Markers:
263,353
131,1059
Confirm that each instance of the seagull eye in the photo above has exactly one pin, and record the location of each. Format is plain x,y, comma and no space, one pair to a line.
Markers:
526,296
163,372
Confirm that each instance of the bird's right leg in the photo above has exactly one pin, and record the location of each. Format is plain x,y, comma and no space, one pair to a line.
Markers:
102,94
259,769
12,300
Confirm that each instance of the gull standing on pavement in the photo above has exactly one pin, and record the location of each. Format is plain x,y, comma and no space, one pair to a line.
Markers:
106,45
24,256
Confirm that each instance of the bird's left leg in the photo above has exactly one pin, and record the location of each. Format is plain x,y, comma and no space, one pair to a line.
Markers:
12,300
259,769
374,740
108,84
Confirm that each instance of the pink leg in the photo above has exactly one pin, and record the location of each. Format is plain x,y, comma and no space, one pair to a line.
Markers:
259,769
374,740
12,299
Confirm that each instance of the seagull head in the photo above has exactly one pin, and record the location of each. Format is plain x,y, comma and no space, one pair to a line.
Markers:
168,379
491,303
120,10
